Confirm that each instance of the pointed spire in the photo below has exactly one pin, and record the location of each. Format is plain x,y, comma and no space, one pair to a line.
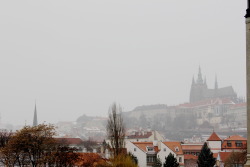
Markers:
35,123
199,79
214,137
216,83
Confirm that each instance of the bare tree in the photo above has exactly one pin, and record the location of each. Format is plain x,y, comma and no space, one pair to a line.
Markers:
116,129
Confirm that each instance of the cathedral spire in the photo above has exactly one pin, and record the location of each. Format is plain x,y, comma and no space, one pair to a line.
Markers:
35,122
199,79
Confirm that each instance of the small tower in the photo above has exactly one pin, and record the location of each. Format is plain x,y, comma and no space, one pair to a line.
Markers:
35,123
214,142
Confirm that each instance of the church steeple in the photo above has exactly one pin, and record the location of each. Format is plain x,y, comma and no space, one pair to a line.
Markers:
35,122
199,79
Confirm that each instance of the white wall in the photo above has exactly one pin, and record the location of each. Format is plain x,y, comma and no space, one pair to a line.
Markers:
164,152
141,155
215,146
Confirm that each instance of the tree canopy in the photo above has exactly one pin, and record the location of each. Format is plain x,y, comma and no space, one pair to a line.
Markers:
35,146
171,161
206,158
116,129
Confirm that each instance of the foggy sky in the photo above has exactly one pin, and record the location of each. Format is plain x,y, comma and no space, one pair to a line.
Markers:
78,57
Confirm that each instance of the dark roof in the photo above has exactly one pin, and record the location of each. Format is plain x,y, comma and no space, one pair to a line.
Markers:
76,141
140,135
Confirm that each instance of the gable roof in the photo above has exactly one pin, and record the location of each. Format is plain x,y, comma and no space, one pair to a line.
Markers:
173,145
214,137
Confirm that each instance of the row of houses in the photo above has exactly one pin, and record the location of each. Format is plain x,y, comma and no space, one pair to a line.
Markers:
186,153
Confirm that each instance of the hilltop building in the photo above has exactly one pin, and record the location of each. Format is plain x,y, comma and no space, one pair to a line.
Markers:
199,90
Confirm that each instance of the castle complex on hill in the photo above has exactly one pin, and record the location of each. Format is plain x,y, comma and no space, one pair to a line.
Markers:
199,90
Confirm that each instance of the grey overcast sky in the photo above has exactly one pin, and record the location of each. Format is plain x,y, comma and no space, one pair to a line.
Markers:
78,57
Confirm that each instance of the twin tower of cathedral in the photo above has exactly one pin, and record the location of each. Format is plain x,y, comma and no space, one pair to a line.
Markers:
199,90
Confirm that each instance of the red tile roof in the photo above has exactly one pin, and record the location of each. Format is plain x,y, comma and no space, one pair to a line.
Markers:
69,140
191,147
236,137
231,143
144,145
214,137
173,145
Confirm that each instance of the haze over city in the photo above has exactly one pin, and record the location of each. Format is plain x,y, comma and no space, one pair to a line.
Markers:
78,57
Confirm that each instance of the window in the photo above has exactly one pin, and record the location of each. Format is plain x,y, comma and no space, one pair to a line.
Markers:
229,144
151,159
177,149
150,148
134,149
164,149
238,143
180,159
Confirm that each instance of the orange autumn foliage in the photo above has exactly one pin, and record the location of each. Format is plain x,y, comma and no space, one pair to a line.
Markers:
89,160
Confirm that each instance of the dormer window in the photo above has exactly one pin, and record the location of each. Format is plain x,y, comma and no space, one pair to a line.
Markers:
150,148
177,149
238,143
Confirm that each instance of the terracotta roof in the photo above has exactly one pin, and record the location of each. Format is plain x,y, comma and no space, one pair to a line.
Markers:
173,145
190,156
191,147
231,143
214,137
69,140
236,137
144,145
